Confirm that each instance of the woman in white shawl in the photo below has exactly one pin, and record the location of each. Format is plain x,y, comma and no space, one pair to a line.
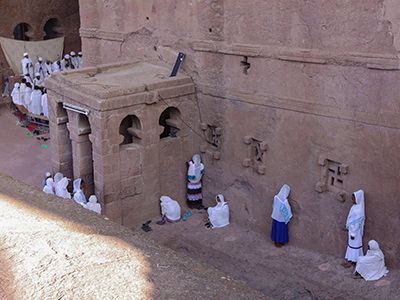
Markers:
170,210
61,188
195,173
49,187
355,226
57,177
16,95
219,214
79,196
93,205
372,265
281,215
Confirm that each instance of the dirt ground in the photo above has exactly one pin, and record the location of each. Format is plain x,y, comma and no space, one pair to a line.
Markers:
282,273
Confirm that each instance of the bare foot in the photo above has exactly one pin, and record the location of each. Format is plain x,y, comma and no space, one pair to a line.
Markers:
278,245
347,264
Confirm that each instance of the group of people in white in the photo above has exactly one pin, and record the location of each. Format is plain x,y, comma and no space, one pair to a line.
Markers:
30,93
218,216
370,266
59,187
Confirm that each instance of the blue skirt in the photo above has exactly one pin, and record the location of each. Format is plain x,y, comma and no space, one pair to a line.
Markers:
279,232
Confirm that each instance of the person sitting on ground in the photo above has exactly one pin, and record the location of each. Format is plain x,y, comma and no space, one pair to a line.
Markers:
61,188
57,179
93,205
79,196
170,210
49,186
27,96
281,215
16,94
195,173
35,105
47,175
355,226
372,265
218,215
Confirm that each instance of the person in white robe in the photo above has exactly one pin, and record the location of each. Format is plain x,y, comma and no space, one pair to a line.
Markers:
35,105
57,178
27,65
170,209
16,94
40,68
66,64
27,95
45,107
74,60
219,214
79,196
49,187
38,80
80,61
61,188
22,89
28,79
93,205
281,215
57,66
47,69
355,226
372,265
194,186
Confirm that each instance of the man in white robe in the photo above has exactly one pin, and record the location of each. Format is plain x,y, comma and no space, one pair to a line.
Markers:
93,205
80,62
48,69
35,105
45,107
66,64
57,66
219,214
40,68
27,95
27,65
16,95
74,60
38,80
372,265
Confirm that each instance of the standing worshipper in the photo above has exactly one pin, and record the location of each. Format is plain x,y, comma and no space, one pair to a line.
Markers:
38,80
57,66
79,196
195,173
66,64
49,186
47,69
281,215
80,62
40,68
27,65
16,95
61,188
355,226
372,265
218,215
74,60
93,205
28,79
27,95
45,107
35,104
6,87
22,91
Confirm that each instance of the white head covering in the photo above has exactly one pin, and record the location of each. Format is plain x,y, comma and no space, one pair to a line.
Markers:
170,208
372,265
281,210
66,56
219,214
58,177
77,184
72,53
16,85
40,59
196,169
37,74
79,53
356,218
48,188
25,54
93,205
15,94
61,188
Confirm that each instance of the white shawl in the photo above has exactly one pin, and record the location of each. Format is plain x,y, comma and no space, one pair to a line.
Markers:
356,218
219,214
372,265
170,208
281,210
196,169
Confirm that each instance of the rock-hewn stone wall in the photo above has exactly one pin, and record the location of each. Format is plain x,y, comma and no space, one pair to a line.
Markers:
301,91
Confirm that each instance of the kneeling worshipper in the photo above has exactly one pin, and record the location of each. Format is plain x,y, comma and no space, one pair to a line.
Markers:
16,95
47,175
195,173
355,226
49,186
79,196
61,188
93,205
281,215
218,215
170,210
372,265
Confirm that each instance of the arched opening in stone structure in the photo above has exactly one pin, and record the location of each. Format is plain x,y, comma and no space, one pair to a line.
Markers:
64,142
52,28
170,120
22,32
130,128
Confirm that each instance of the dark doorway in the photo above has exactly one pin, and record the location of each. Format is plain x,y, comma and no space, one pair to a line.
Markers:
53,29
21,32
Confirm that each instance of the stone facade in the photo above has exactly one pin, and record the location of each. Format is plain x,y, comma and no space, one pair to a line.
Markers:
303,93
36,13
125,130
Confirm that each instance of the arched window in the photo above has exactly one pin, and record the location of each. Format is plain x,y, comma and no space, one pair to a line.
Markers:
130,129
22,32
170,120
52,28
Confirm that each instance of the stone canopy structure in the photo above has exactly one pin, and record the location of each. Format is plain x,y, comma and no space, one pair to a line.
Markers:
125,130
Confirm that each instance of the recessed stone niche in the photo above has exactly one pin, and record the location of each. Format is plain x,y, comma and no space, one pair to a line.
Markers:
212,140
125,126
256,154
